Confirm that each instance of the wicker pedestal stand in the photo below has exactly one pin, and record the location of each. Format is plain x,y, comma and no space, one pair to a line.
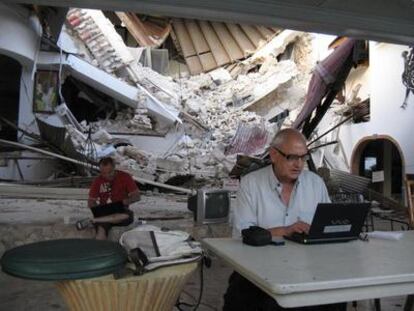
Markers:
156,291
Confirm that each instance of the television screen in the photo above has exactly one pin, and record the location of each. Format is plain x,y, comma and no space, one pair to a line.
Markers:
210,206
216,205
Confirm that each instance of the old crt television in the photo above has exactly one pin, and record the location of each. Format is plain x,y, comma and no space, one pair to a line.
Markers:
210,206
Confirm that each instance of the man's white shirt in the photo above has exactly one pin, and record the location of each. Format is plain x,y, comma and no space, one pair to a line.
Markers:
260,201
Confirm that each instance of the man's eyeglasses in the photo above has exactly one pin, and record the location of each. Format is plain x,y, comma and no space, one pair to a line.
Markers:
293,157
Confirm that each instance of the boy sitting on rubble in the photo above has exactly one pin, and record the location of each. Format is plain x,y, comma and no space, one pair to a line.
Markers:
110,195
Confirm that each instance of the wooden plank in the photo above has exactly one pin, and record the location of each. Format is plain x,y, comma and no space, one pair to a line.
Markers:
254,36
72,182
136,28
236,69
219,53
23,191
227,40
184,39
154,29
275,29
196,36
265,32
158,34
176,43
207,61
242,40
230,67
194,65
141,28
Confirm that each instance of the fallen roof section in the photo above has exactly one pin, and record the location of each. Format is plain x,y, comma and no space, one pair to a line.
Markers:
113,56
109,85
102,81
146,32
207,45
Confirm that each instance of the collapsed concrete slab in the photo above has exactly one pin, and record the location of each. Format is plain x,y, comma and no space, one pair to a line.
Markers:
205,100
155,126
117,88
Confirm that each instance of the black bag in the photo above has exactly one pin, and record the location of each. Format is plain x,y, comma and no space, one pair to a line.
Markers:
256,236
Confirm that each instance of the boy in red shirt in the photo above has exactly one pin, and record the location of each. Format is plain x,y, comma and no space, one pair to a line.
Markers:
109,187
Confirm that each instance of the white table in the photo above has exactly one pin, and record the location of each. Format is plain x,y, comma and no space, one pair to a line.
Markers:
302,275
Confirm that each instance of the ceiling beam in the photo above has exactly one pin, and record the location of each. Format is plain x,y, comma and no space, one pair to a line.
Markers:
380,20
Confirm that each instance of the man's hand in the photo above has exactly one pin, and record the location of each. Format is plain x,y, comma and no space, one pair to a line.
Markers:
298,227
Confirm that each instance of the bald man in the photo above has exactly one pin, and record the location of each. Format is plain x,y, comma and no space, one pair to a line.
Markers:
282,198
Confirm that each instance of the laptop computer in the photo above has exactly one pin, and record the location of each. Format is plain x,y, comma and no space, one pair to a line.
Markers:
334,222
108,209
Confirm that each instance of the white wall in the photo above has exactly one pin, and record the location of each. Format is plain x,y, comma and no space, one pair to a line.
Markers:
320,46
31,169
19,39
387,94
19,34
26,116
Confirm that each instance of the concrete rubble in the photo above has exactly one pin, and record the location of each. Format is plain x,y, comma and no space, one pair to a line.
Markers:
212,105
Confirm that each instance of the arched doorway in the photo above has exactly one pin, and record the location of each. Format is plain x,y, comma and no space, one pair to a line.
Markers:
380,159
9,96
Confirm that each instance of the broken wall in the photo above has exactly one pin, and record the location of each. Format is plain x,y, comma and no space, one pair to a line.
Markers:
20,40
213,106
19,36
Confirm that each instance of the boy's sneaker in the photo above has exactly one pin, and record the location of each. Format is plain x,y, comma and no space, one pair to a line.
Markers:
83,224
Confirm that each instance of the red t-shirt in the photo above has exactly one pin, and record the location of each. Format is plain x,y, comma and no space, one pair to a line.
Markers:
107,191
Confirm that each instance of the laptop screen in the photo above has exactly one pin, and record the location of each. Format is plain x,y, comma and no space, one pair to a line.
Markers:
338,220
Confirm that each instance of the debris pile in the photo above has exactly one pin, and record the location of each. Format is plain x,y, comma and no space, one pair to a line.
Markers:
126,121
220,110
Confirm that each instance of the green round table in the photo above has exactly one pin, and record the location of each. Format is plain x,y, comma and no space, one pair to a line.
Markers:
66,259
83,271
